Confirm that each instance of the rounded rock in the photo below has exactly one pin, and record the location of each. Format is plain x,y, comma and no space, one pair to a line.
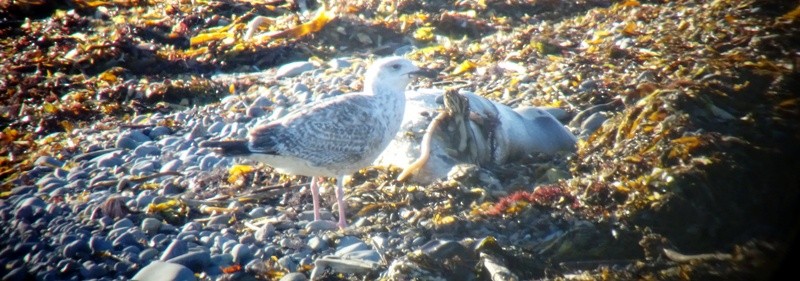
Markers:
164,271
293,69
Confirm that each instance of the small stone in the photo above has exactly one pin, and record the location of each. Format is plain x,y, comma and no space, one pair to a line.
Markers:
149,149
90,270
48,161
293,69
148,254
288,264
124,142
222,259
77,249
321,225
241,253
195,260
176,248
172,166
339,63
294,276
222,220
159,131
164,271
99,244
123,223
257,212
264,232
150,225
109,160
317,244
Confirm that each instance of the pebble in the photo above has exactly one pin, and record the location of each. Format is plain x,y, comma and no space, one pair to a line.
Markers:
176,248
48,161
294,276
164,271
317,244
293,69
264,232
159,131
150,225
288,264
321,225
109,160
241,254
147,149
99,244
195,260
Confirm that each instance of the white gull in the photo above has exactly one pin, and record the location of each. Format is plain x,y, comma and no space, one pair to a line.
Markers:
336,136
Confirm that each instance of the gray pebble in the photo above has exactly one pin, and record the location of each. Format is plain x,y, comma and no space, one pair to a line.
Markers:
147,149
50,179
77,174
261,101
176,248
137,135
123,223
91,270
164,271
145,167
77,249
339,63
294,276
257,212
109,160
99,244
241,254
223,220
264,232
216,127
321,225
159,131
148,254
150,225
48,161
317,244
222,259
208,162
255,111
288,264
195,260
125,239
198,131
124,142
172,166
293,69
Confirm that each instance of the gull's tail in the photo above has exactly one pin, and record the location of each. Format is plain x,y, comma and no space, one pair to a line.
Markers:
228,147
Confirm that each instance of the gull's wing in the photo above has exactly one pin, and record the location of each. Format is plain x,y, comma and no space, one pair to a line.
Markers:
340,130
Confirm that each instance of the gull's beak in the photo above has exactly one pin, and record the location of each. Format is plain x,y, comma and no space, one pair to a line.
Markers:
424,72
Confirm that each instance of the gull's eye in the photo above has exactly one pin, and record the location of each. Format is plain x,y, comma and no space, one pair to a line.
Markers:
396,66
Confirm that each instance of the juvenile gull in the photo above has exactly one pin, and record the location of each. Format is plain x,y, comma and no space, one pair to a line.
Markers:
333,137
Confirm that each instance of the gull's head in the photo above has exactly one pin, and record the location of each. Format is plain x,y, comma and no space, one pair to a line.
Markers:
394,72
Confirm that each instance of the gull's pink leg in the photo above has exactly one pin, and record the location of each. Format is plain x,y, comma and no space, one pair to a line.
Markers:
315,197
340,201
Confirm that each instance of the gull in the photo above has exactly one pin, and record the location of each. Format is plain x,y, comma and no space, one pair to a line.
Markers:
334,137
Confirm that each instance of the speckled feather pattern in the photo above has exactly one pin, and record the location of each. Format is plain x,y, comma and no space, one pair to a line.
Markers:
346,132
